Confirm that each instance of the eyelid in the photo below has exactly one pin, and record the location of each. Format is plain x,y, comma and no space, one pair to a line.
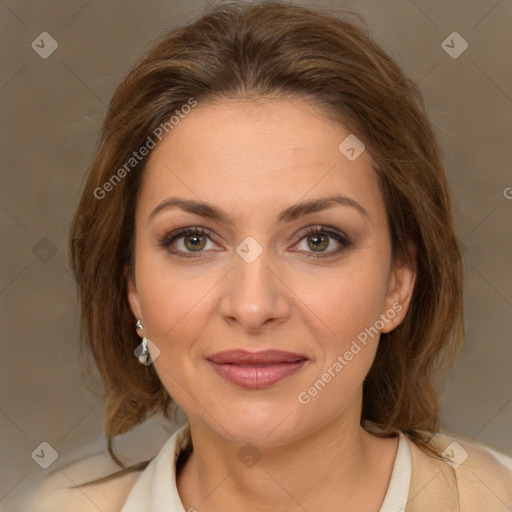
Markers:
175,234
324,228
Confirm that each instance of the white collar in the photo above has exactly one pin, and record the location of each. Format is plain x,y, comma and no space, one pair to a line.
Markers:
156,491
400,482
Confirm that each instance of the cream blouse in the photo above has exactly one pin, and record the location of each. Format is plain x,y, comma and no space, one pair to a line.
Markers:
469,477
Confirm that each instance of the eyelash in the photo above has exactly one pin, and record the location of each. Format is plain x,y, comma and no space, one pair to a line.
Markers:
345,241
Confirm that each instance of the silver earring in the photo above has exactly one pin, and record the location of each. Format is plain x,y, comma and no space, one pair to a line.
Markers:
144,355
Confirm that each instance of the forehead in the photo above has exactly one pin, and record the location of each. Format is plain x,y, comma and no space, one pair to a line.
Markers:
248,156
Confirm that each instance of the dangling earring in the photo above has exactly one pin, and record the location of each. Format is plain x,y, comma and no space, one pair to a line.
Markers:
144,355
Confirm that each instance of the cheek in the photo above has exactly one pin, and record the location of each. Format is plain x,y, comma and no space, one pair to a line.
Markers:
175,311
162,286
341,311
176,303
342,304
174,316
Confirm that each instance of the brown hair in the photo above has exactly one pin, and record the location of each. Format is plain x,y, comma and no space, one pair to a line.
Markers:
255,50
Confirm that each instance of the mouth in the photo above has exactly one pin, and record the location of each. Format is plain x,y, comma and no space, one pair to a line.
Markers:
255,370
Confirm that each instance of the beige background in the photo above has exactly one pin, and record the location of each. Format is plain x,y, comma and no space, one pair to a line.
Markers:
51,113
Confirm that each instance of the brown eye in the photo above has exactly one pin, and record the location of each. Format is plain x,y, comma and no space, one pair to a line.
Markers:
318,242
194,242
318,239
186,241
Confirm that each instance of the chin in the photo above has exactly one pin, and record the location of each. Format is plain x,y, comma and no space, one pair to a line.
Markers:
265,426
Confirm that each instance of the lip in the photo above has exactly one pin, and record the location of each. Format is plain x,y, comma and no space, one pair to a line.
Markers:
255,370
258,358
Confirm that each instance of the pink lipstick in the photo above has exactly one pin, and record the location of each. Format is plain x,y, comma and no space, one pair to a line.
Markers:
255,370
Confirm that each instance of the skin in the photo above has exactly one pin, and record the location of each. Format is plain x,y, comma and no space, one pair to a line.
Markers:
252,160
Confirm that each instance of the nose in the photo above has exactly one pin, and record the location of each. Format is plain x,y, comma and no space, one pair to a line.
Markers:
256,297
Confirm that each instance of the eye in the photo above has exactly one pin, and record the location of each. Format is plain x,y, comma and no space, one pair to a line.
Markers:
193,240
317,239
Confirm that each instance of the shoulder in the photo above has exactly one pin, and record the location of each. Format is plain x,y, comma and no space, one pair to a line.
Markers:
474,475
63,489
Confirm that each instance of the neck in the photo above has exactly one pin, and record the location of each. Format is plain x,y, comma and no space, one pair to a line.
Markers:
339,463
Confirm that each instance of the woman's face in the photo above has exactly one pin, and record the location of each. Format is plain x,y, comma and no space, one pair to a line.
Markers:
249,279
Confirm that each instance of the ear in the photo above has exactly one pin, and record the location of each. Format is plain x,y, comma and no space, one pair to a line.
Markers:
132,294
400,290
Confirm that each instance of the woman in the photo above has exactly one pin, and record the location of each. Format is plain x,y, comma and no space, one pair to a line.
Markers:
269,213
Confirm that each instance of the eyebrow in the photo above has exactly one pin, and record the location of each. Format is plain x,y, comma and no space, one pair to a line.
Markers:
289,214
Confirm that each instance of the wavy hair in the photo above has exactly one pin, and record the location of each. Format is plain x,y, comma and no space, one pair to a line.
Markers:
242,50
